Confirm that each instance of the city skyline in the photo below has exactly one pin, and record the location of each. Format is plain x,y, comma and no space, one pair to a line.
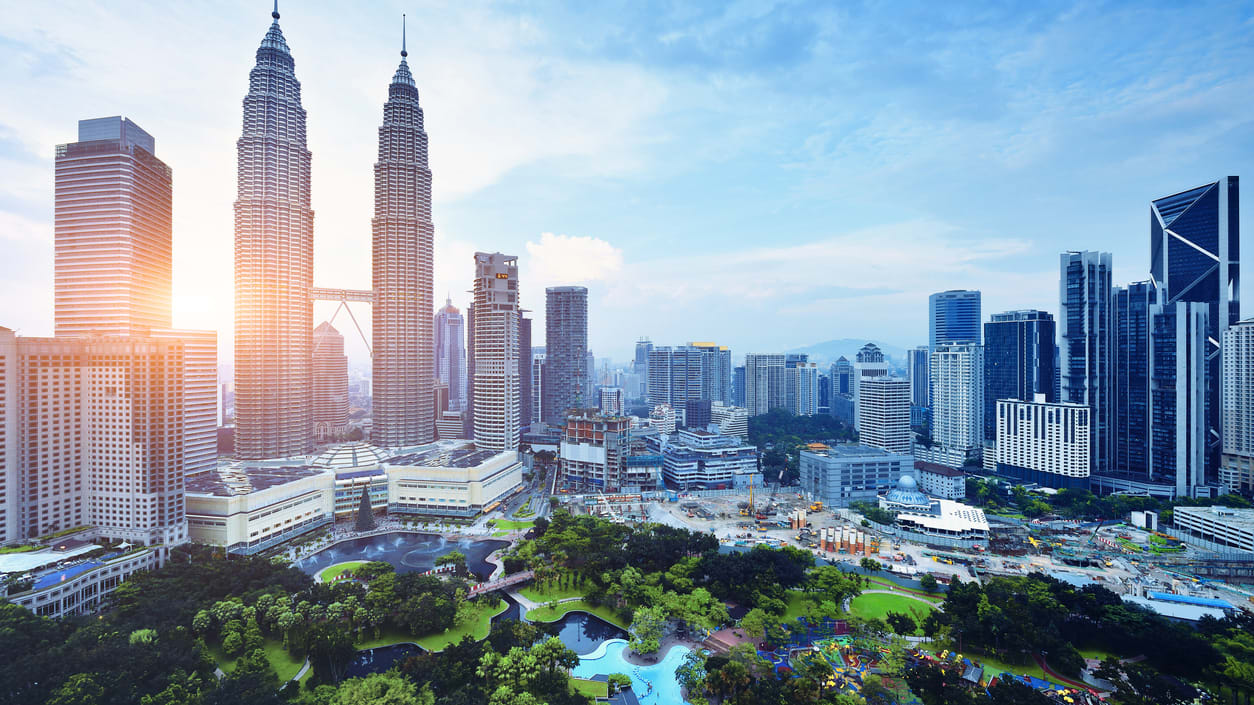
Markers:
1010,259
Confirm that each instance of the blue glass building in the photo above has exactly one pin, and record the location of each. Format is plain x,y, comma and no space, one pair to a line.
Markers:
1018,361
1133,304
954,317
1179,375
1194,256
1085,339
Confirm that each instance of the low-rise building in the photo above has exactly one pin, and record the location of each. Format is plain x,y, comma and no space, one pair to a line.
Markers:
937,520
598,454
731,420
841,474
247,509
1216,528
941,480
451,478
701,459
59,583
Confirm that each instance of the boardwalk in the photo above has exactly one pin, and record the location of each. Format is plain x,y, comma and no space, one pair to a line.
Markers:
505,582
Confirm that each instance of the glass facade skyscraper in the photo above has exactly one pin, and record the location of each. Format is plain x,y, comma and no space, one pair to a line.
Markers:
1195,256
1178,384
1133,304
1085,335
954,317
566,351
1018,361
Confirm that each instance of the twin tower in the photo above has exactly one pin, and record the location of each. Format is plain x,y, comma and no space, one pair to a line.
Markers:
274,289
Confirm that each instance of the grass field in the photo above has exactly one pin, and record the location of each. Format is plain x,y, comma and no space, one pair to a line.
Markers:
332,572
596,689
545,592
796,605
548,614
511,525
284,663
1094,653
878,605
476,628
890,585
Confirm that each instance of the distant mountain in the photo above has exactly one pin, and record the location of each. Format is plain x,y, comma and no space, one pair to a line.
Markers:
827,352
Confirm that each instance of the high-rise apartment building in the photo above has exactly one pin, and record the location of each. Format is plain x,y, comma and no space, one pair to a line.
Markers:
566,351
801,393
1085,339
273,262
764,382
1018,361
918,362
450,353
869,363
403,351
641,366
611,401
495,313
113,232
738,385
330,411
1195,239
884,419
537,379
716,371
100,436
674,375
957,405
1237,467
954,317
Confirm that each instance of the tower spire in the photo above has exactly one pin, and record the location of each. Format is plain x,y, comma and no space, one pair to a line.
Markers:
403,52
275,14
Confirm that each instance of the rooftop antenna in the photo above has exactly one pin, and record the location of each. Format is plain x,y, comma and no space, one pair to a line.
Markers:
275,14
403,52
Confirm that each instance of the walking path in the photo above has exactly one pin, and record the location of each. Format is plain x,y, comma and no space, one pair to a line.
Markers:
532,604
303,670
1058,676
906,595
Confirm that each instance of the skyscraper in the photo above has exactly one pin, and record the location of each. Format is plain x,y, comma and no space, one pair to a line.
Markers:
537,381
738,386
113,231
450,354
674,375
957,404
1132,443
917,366
404,368
869,363
1237,469
1085,337
801,395
495,326
1018,361
1178,384
273,262
526,410
330,410
884,419
715,371
954,317
566,351
1195,239
764,382
842,376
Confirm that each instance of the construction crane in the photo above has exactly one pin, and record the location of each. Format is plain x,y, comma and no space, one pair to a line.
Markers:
1100,522
748,511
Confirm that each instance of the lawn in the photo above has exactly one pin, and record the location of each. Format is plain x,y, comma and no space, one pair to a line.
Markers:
548,614
286,665
548,591
889,585
1098,654
511,525
796,606
877,605
330,573
596,689
476,628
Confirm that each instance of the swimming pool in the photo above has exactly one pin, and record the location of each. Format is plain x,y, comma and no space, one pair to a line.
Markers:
653,685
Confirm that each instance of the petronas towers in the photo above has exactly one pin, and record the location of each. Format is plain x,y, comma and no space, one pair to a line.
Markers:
274,266
404,365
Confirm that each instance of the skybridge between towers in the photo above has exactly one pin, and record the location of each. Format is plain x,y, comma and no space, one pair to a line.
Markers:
344,296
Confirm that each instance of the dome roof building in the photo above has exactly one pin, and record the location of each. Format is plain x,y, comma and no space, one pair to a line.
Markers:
907,494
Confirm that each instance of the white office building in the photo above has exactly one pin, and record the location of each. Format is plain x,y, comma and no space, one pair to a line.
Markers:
611,401
1044,443
869,363
497,415
731,420
884,414
662,418
698,459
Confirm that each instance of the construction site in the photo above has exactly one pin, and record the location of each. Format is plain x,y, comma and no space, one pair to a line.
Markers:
1131,561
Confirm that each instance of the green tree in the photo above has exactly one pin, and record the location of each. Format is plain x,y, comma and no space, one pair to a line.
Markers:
381,689
80,689
646,629
928,583
870,565
901,623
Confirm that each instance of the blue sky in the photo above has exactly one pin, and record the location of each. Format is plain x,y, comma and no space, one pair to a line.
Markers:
763,175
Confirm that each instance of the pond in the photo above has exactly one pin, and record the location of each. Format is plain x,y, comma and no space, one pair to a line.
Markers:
407,552
653,685
583,633
379,659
